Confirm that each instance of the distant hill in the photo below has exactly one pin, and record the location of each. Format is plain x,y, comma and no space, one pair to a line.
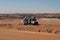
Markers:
38,15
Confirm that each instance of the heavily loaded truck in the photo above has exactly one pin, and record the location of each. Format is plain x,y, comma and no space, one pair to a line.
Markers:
30,21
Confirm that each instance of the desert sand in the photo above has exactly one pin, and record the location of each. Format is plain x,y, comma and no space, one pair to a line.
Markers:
12,29
22,35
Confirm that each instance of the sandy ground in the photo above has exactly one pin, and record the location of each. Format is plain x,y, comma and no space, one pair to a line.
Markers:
25,35
16,35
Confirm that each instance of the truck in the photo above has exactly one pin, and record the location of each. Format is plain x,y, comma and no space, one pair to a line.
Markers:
30,21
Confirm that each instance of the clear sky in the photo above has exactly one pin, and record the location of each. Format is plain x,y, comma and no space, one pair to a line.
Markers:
29,6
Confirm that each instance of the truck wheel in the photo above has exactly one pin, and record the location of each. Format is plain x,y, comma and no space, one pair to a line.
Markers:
36,23
25,23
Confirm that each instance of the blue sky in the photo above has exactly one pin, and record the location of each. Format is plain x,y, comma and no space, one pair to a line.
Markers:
29,6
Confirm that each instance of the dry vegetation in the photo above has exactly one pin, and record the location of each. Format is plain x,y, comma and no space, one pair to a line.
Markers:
50,26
